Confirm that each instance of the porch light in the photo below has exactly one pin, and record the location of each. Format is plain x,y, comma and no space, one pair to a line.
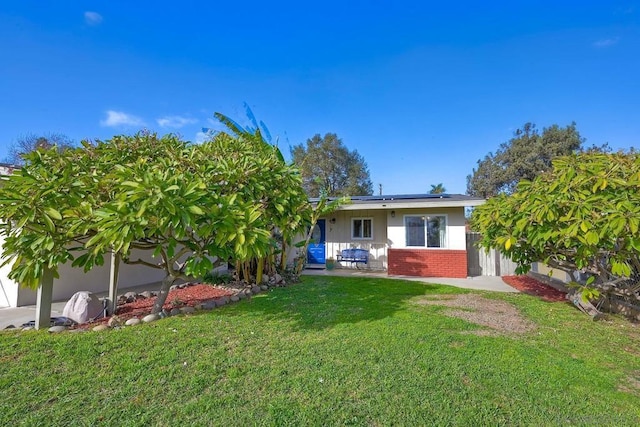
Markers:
393,214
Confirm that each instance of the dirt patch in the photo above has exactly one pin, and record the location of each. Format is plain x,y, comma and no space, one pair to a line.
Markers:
531,286
501,317
631,384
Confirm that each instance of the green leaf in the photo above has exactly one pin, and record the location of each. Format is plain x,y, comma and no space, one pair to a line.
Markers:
195,210
53,213
592,237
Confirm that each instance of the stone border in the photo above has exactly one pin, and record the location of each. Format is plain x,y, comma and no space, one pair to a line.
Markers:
241,290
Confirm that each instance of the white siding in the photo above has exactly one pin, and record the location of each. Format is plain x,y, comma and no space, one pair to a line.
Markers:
73,280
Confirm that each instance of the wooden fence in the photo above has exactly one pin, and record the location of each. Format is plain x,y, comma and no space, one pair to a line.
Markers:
482,263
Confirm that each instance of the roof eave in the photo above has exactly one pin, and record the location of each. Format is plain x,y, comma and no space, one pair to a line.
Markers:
437,203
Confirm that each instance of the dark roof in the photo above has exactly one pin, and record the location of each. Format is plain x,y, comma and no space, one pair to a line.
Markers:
404,197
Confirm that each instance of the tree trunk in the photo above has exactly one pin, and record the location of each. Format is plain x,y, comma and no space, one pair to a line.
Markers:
283,257
260,270
162,296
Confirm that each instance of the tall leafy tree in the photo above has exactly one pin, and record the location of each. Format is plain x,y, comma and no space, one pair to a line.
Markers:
32,142
582,216
188,204
437,189
525,156
328,166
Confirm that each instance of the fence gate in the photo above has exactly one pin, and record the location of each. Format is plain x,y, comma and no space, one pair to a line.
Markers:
481,263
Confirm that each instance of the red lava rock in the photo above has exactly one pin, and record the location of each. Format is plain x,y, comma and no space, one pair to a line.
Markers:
189,296
531,286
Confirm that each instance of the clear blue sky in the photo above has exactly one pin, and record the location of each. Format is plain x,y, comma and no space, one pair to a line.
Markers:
421,89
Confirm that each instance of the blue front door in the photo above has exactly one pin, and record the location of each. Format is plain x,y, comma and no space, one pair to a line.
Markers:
316,253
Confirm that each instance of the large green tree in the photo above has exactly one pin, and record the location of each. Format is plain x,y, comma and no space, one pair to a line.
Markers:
328,166
582,216
188,204
525,156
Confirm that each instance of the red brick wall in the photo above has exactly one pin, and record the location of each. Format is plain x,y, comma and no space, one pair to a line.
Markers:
428,262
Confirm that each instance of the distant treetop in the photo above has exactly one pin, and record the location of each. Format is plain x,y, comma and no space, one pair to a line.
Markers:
327,166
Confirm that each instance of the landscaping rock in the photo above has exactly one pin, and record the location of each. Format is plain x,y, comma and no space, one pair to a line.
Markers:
255,290
174,287
55,329
265,279
82,307
28,328
198,307
234,298
114,321
209,305
187,310
150,318
264,287
174,311
132,322
241,295
220,302
130,296
146,294
277,278
10,327
99,328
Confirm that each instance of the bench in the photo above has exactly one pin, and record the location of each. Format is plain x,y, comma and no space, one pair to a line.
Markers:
354,256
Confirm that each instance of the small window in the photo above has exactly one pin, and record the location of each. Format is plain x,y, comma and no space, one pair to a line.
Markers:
362,228
426,231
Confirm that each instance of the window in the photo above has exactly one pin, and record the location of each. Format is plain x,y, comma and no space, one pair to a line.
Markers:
361,228
426,231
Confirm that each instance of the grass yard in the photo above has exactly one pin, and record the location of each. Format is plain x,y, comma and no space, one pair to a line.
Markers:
330,351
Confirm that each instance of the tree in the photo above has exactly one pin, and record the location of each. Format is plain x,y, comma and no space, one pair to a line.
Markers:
188,204
327,165
525,156
32,142
582,216
437,189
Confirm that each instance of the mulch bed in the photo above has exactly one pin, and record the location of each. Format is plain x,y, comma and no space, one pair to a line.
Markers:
189,296
531,286
192,295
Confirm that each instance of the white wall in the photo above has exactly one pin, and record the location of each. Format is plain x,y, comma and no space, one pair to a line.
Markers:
74,279
456,233
8,289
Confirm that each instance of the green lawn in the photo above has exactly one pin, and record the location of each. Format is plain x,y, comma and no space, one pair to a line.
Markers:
329,351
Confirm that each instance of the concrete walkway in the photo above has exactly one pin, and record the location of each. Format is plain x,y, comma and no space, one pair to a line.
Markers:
20,315
479,283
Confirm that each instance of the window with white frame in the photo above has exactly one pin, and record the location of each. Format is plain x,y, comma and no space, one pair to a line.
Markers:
361,228
429,231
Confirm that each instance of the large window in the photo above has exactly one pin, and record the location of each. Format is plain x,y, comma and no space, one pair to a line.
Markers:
426,231
361,228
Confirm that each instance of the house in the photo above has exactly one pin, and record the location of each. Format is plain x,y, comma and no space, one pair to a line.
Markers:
412,234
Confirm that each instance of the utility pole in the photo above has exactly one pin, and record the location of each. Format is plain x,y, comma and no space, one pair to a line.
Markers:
380,189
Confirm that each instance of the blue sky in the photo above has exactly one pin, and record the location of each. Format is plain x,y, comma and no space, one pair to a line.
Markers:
421,89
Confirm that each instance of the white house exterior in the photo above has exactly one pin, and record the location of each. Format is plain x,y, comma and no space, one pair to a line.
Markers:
415,234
